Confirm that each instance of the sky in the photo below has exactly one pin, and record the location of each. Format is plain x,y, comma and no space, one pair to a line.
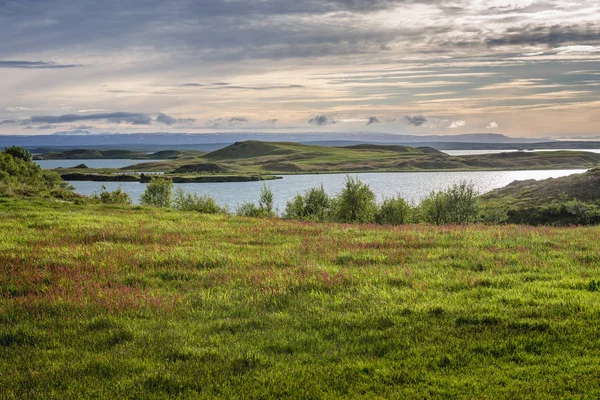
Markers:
521,68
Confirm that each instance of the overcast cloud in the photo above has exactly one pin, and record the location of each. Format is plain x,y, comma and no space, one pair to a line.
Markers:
532,67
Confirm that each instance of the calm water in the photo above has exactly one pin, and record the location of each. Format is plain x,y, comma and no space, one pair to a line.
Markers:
49,164
476,152
413,186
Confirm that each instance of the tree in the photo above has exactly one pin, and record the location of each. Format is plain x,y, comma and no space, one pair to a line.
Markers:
158,192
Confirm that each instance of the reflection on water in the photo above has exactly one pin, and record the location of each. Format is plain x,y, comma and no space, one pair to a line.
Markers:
413,186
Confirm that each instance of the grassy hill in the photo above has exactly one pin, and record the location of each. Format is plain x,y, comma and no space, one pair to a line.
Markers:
283,157
81,154
548,200
121,302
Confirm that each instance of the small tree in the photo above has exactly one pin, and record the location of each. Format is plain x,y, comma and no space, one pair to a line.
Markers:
394,211
356,203
19,152
265,203
158,192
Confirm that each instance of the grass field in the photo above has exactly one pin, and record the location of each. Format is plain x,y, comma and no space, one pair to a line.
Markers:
120,302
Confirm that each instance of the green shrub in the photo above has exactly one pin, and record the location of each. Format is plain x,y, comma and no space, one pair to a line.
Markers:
456,205
19,175
356,203
264,208
313,206
184,201
265,203
494,215
158,192
19,152
394,211
115,197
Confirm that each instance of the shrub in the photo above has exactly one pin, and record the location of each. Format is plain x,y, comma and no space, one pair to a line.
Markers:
456,205
19,152
494,215
313,206
20,175
248,209
158,192
265,203
115,197
356,203
264,208
184,201
394,211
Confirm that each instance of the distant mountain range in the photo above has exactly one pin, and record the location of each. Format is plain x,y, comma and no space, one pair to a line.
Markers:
209,142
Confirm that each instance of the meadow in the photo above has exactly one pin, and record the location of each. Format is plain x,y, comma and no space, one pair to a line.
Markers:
108,301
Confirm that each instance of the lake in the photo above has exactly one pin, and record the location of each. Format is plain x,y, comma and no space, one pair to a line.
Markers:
413,186
478,152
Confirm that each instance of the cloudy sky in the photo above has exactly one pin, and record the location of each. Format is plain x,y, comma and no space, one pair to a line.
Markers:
517,67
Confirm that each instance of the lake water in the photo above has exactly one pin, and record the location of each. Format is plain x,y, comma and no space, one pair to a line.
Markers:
413,186
120,163
477,152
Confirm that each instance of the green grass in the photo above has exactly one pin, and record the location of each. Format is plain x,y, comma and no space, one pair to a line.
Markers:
129,302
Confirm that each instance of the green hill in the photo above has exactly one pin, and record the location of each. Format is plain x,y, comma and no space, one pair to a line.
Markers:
570,199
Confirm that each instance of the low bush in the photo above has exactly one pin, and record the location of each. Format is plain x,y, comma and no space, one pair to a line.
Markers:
394,211
185,201
356,203
456,205
264,209
115,197
158,193
314,205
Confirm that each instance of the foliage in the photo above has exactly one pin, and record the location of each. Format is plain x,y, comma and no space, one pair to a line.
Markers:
264,208
572,211
185,201
115,302
265,203
117,196
394,211
158,192
19,175
456,205
356,203
19,152
314,205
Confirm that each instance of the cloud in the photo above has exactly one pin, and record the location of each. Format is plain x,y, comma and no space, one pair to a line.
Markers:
233,121
373,120
36,65
416,120
168,120
321,120
492,125
457,124
116,118
8,121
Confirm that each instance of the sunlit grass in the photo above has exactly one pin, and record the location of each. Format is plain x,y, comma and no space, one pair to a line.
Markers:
122,302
